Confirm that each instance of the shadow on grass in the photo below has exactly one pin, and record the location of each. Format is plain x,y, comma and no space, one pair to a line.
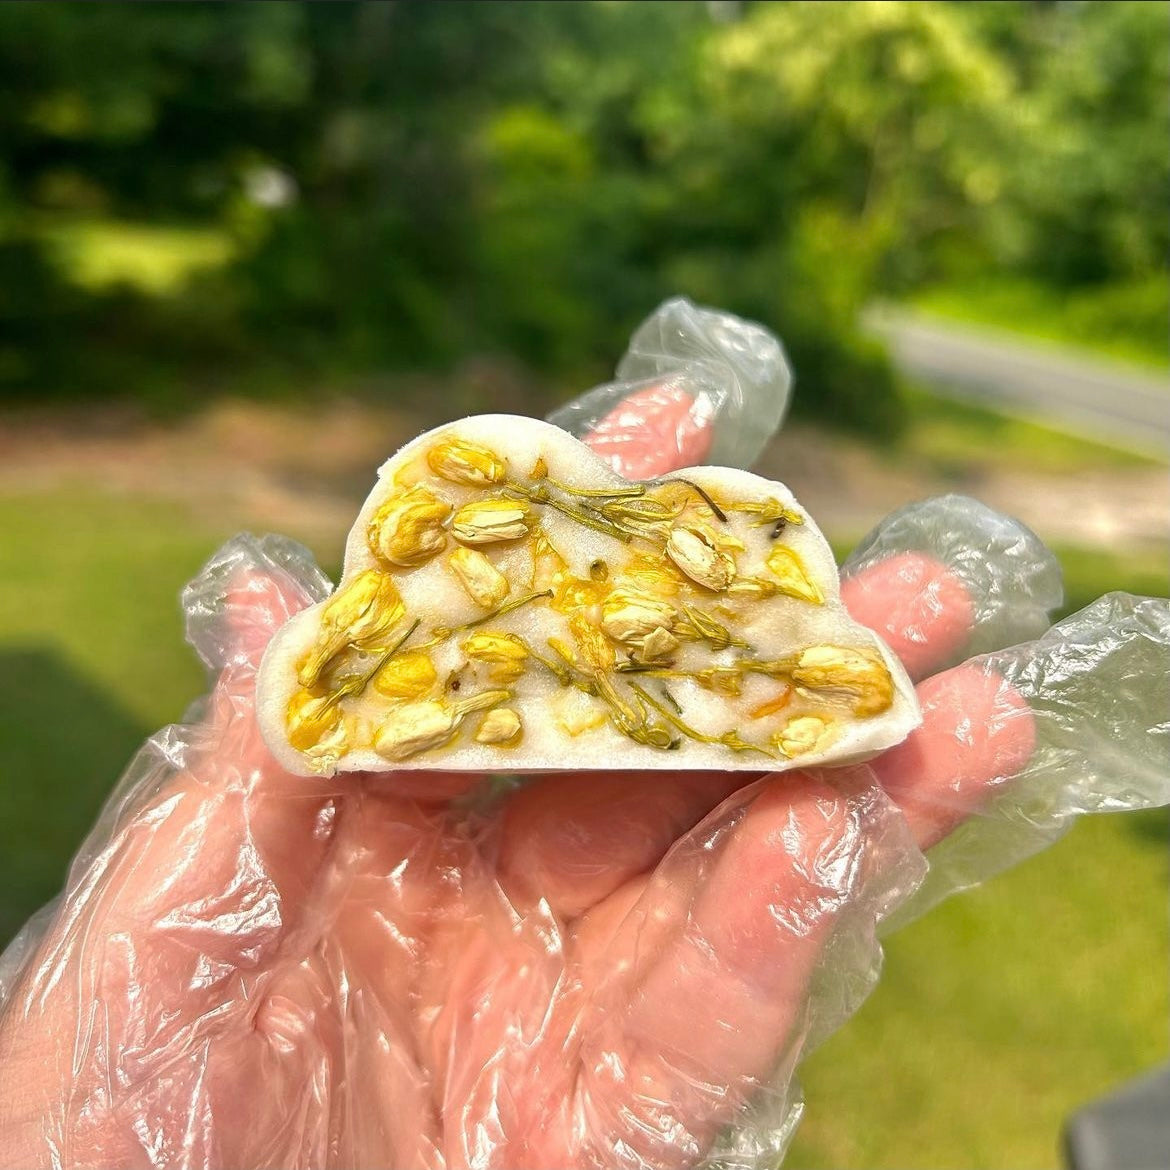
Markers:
63,744
1151,827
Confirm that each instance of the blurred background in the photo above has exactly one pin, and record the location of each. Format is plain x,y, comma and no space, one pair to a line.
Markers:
247,249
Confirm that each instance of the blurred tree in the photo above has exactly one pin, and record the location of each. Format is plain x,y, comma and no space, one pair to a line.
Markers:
409,183
149,111
817,157
1091,183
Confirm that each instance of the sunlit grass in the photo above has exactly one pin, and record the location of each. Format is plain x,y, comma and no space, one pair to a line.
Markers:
155,259
945,433
1124,322
91,660
1088,573
1003,1011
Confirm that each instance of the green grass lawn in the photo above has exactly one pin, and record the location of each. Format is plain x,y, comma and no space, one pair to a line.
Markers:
947,436
997,1014
1001,1011
92,648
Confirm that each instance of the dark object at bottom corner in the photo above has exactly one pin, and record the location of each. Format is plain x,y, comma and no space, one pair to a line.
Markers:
1128,1130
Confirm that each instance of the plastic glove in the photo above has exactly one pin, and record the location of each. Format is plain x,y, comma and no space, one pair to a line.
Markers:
253,969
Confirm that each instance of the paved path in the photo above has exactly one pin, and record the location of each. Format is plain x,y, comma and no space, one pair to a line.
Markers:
1087,396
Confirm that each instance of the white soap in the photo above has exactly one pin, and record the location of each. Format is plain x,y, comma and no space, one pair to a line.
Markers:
691,622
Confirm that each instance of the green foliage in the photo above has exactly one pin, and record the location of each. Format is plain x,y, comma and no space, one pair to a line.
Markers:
409,184
953,438
1096,197
1001,1012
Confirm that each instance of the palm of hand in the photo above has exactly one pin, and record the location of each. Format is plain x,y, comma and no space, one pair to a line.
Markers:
593,969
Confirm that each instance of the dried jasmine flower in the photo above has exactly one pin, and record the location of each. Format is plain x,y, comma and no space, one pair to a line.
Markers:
466,463
492,520
693,552
481,580
500,727
408,530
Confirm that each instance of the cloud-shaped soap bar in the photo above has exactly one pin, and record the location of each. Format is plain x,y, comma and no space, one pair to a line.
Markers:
509,603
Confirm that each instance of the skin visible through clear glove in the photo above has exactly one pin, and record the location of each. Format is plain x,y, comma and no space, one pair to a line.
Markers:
265,970
630,436
250,928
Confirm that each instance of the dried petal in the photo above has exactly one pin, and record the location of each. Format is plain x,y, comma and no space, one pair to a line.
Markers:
857,676
771,706
408,676
480,702
408,530
466,463
361,614
651,574
628,615
595,651
311,718
724,680
488,521
481,580
804,734
501,726
792,575
574,593
505,655
548,565
753,588
657,647
706,565
414,728
560,647
717,538
575,713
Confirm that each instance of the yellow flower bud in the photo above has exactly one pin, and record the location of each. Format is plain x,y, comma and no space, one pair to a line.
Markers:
407,676
753,588
311,719
650,574
657,647
361,614
698,557
419,727
505,655
466,463
628,615
489,521
595,650
408,530
481,580
501,726
857,676
414,728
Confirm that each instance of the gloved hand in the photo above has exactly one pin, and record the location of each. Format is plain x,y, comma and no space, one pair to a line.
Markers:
253,969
